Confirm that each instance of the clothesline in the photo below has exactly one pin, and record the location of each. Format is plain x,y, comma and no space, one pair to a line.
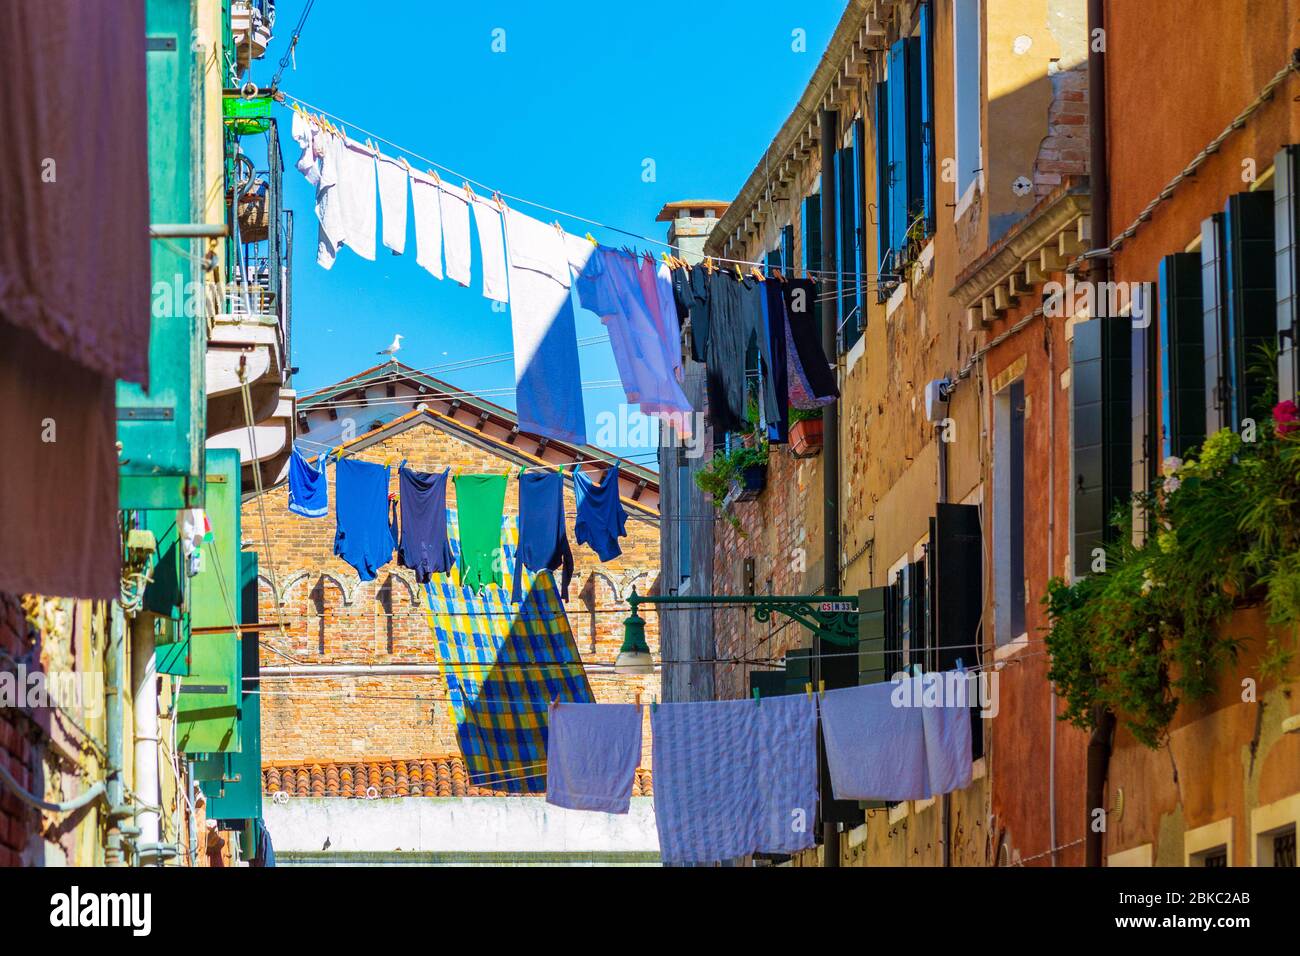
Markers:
344,124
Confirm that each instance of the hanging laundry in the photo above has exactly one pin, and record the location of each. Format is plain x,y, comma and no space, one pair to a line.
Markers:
304,133
947,724
776,376
454,207
491,244
734,777
543,542
548,387
875,749
601,520
392,201
427,209
364,538
308,489
329,209
609,285
423,546
811,380
480,504
356,189
592,752
691,292
657,290
735,322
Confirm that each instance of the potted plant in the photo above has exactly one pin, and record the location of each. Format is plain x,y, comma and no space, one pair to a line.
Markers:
805,432
749,472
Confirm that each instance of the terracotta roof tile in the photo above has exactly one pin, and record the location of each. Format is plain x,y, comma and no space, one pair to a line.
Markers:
444,776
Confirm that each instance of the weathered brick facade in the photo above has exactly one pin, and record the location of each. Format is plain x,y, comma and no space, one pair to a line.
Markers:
332,619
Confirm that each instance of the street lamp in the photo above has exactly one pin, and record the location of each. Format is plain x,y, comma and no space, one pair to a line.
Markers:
634,656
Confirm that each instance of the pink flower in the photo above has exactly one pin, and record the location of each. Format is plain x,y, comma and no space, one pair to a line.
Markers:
1287,417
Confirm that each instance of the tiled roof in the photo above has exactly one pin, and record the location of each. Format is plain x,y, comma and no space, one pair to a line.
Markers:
414,777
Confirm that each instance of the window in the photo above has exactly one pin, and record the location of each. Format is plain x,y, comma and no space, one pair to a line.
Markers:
966,95
1210,845
1286,247
1142,398
812,233
1182,354
1240,307
1100,433
850,228
904,147
1273,831
787,248
1009,511
1284,848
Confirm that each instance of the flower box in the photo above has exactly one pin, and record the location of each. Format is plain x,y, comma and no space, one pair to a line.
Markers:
806,438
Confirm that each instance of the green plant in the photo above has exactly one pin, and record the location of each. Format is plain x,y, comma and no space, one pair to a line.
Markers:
715,478
1150,629
804,414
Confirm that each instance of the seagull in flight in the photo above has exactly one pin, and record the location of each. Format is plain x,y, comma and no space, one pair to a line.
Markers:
392,349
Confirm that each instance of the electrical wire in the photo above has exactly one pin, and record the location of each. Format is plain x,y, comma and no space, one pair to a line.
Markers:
293,44
342,123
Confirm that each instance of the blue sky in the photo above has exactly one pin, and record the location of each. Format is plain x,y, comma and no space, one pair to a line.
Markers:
582,95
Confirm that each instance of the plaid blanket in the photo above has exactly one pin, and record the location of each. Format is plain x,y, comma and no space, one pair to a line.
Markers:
504,664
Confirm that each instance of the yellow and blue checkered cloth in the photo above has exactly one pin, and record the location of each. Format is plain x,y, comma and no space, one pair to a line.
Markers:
504,664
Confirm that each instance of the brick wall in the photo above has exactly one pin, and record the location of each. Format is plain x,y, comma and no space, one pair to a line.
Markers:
1064,150
331,618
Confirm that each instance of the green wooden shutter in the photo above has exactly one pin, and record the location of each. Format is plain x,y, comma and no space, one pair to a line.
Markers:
884,257
1251,303
1182,353
161,427
1286,269
873,627
787,248
846,165
208,705
925,92
1100,431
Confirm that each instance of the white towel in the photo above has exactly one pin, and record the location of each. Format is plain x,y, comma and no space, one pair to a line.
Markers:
734,777
392,202
487,220
948,758
329,211
304,132
455,231
428,224
548,390
875,749
356,189
592,752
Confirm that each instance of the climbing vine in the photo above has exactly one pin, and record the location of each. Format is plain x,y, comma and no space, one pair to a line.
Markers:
1154,627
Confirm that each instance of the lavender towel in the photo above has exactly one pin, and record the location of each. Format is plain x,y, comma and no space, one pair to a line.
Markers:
592,752
875,749
734,777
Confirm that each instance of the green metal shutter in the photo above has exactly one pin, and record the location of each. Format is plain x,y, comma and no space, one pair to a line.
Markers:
1251,303
208,706
873,633
1286,269
787,248
883,253
845,165
925,92
1182,353
1144,423
161,427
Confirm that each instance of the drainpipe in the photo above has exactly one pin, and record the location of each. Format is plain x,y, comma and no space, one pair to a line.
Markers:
1100,740
114,676
945,801
830,293
144,680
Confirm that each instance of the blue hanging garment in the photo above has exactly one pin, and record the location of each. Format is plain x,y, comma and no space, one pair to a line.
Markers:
364,538
308,489
543,542
424,546
601,520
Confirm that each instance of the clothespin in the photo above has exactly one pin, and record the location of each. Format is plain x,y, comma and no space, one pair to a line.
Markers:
469,190
821,687
708,265
757,274
592,240
654,704
638,701
433,173
807,688
403,464
758,702
739,274
338,452
388,460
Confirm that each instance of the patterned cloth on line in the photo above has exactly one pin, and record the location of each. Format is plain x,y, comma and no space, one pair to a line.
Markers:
504,665
734,777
